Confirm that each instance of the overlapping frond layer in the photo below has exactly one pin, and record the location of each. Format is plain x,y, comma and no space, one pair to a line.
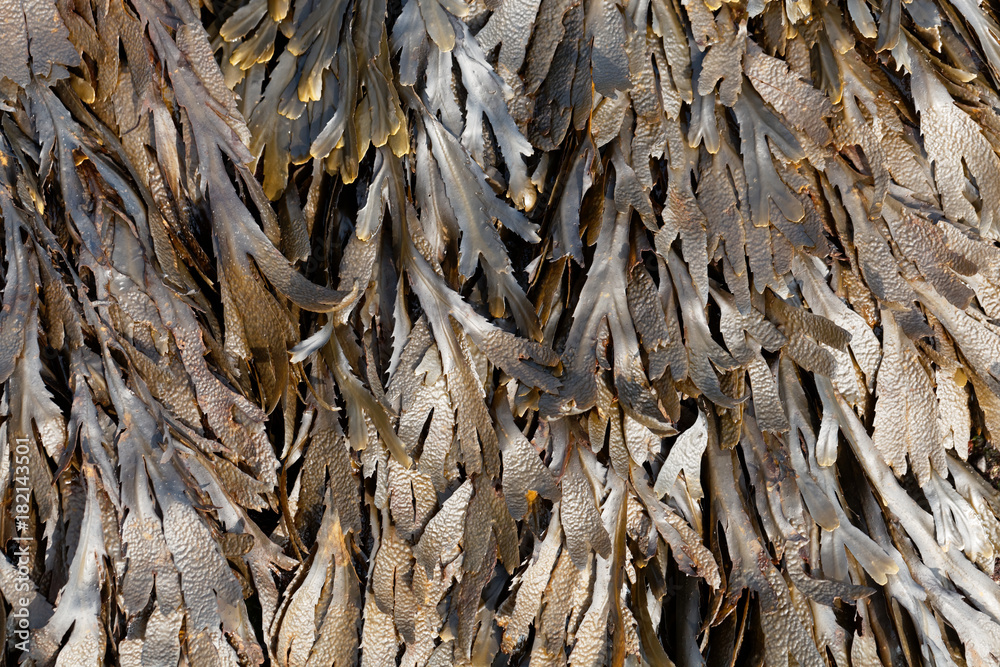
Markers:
549,332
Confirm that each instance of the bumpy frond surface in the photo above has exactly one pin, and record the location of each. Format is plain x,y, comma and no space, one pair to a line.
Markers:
500,332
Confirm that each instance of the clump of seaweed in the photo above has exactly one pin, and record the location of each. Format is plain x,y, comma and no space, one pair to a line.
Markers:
441,332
